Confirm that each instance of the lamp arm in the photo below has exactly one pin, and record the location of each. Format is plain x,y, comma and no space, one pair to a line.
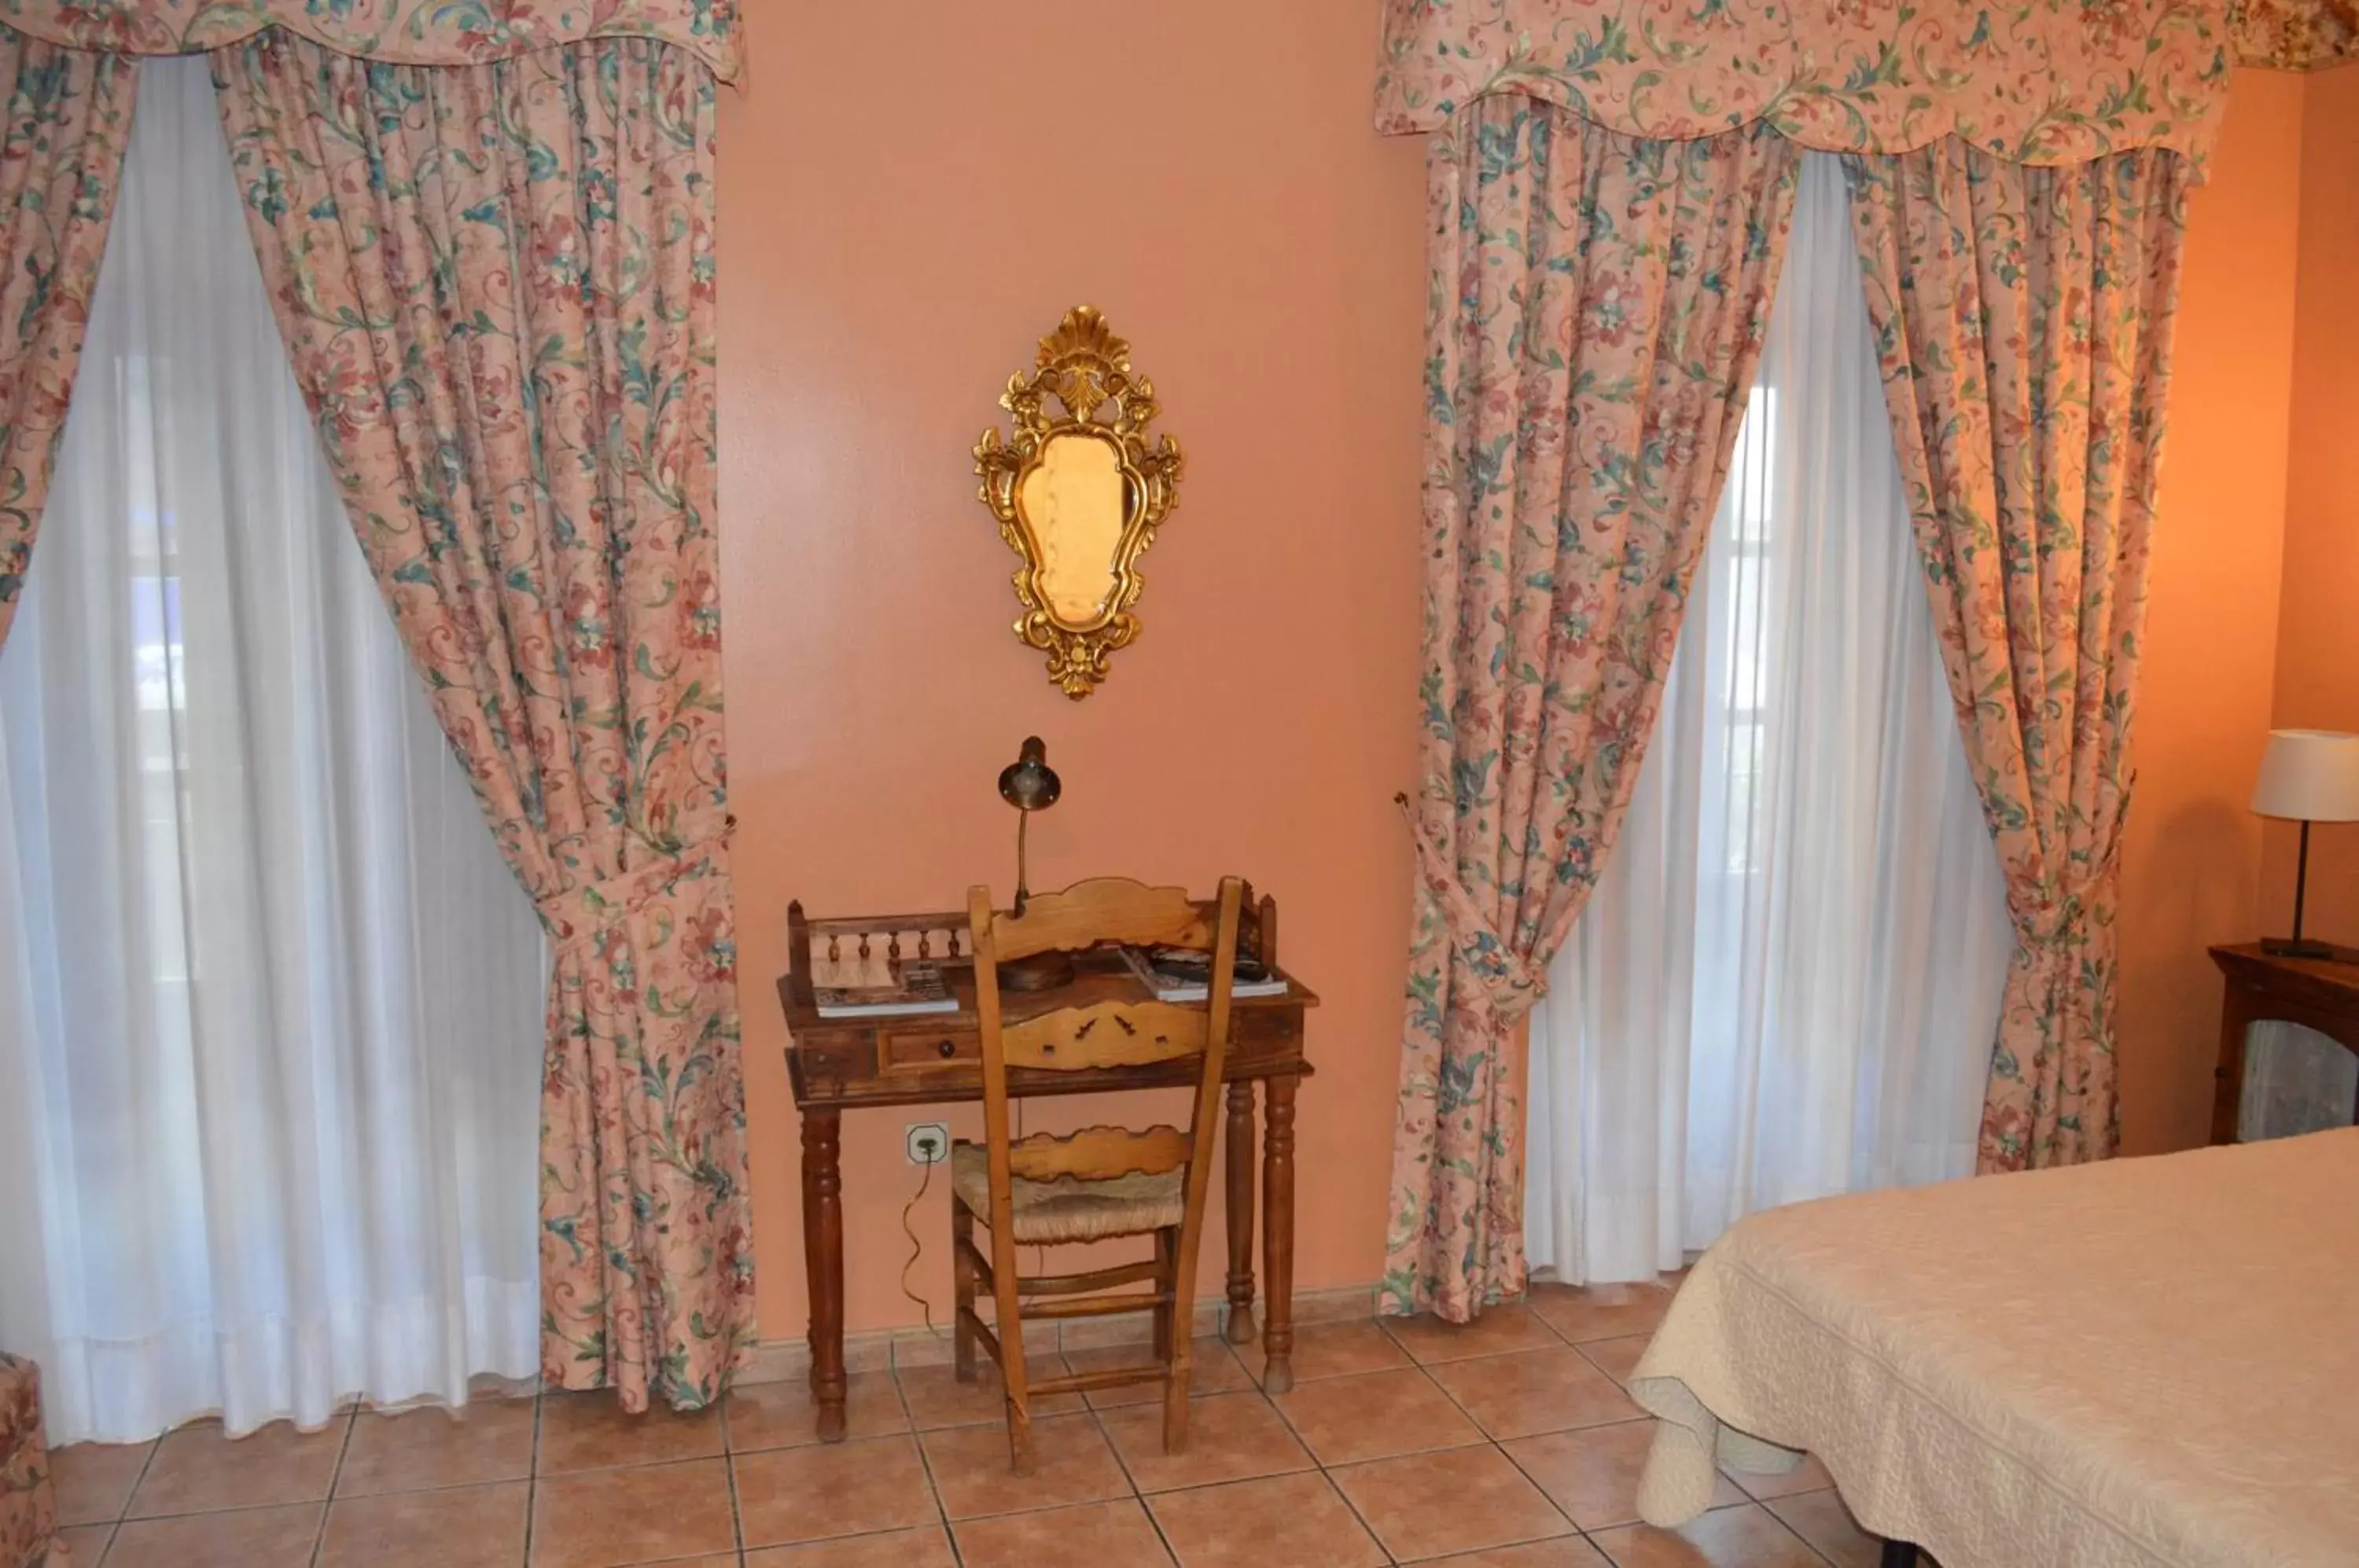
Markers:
1023,894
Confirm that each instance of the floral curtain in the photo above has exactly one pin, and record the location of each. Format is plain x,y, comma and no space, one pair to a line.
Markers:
1596,308
68,120
496,282
2297,34
2024,317
410,32
2045,81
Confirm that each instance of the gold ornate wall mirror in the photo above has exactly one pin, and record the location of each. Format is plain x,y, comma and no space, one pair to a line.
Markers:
1079,495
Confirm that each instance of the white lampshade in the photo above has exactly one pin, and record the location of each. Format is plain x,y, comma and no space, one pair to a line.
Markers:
2310,776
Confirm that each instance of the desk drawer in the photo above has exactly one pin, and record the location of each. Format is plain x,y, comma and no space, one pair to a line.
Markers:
928,1050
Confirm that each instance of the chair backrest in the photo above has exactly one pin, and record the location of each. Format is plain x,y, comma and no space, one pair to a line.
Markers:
1102,1034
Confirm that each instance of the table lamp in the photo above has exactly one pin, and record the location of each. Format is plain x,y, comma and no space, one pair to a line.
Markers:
1030,784
2307,776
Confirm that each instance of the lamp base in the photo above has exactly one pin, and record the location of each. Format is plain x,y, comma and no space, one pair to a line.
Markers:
2296,947
1037,972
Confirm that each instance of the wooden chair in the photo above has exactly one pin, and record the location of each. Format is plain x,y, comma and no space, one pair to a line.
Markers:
1104,1181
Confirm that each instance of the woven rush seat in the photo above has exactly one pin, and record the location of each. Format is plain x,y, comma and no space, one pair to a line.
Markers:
1069,1209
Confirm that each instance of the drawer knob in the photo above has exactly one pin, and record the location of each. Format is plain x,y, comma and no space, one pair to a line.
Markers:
948,1049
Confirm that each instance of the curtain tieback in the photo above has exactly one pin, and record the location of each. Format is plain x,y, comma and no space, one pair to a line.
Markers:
576,917
2063,918
1510,981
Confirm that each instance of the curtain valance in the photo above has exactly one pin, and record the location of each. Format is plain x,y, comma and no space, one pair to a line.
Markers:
406,32
2043,81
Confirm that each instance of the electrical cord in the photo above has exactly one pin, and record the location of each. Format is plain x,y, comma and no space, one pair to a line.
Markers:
917,1247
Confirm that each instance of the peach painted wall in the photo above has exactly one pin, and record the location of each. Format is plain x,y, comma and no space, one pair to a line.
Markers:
2318,633
910,196
2190,872
908,201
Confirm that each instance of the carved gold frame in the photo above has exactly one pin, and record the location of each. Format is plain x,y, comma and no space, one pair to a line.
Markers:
1085,369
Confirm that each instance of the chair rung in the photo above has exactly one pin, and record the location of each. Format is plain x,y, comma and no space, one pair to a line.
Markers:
1104,1378
985,1282
1097,1306
1136,1273
982,1331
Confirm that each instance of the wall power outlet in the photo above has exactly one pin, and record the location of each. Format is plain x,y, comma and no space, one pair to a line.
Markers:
927,1143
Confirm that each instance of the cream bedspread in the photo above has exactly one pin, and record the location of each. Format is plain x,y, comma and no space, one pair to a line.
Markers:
2141,1362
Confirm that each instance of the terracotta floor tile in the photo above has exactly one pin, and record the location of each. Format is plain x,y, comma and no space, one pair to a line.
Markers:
1600,1312
1260,1524
456,1526
605,1518
1070,1463
1128,1328
591,1431
1332,1350
244,1537
1592,1474
1231,1437
95,1479
87,1542
488,1440
1374,1415
1430,1341
1616,1358
784,1415
788,1494
1096,1535
1810,1476
196,1468
1744,1537
1432,1505
1534,1392
1820,1519
927,1548
1564,1551
1211,1370
937,1398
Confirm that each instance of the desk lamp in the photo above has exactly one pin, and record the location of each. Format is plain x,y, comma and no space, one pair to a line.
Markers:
2307,776
1030,784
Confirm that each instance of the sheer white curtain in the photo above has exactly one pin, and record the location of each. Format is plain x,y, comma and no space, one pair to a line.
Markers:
269,1001
1789,979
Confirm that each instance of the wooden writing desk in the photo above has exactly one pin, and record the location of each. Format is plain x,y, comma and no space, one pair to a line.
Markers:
847,1064
2322,993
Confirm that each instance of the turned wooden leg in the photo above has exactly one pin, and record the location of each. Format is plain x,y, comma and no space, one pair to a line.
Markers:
1277,1237
823,1265
1240,1210
963,1274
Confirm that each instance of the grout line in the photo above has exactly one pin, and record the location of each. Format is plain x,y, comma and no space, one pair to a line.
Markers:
154,1446
532,1481
335,1476
729,1476
926,1460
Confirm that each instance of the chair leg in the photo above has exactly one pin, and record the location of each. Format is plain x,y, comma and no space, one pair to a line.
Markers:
1166,1274
1019,1436
962,1276
1179,1323
1175,1400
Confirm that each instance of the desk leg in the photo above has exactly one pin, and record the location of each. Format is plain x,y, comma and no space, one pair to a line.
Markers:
1278,1237
823,1267
1239,1134
2228,1087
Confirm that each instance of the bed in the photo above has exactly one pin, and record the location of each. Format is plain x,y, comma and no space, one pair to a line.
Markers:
2140,1363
